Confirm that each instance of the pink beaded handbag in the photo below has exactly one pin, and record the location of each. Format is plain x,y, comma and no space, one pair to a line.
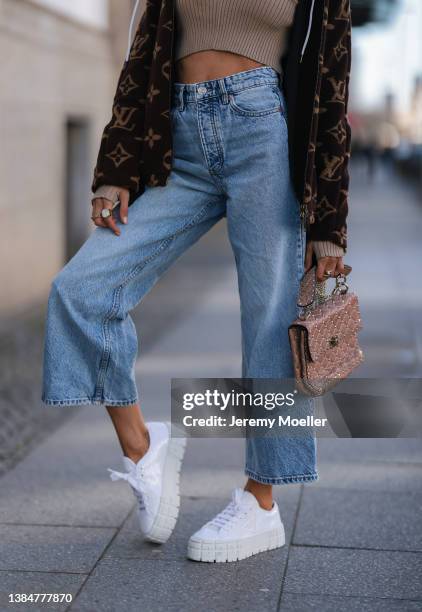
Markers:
324,339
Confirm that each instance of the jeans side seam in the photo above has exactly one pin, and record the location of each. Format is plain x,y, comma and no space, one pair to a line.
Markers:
300,248
105,357
165,243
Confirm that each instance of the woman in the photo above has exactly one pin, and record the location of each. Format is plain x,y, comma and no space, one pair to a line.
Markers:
237,109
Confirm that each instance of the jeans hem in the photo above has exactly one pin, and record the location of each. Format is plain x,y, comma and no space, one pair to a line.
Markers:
88,401
294,479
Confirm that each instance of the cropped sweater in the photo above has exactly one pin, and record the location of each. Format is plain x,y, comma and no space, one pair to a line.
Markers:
256,29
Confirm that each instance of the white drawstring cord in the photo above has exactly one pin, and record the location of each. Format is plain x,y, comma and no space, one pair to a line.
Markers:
132,22
308,33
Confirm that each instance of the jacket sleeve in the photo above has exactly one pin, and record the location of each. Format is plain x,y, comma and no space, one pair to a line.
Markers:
333,138
119,154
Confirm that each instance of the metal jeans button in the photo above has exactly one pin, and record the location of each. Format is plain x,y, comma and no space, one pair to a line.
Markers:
202,90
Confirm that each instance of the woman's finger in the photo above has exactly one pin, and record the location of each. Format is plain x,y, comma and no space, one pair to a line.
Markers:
111,224
339,266
97,206
110,221
326,268
320,271
124,205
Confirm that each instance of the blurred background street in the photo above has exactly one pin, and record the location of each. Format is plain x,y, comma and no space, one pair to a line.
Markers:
355,536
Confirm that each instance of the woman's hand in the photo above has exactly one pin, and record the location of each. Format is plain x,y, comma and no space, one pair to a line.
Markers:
327,266
98,204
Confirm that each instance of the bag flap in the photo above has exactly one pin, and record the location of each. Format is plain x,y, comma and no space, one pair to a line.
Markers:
332,325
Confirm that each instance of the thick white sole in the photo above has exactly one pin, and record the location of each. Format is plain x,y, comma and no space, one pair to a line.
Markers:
168,510
234,550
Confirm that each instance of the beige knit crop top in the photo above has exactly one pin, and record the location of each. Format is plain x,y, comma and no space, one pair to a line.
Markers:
254,28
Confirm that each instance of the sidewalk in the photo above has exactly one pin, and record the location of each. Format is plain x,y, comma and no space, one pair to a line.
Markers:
354,537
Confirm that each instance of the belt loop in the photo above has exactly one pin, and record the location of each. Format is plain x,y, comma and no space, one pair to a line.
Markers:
223,91
182,99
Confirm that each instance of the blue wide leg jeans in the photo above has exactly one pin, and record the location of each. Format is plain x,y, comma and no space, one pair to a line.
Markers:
230,148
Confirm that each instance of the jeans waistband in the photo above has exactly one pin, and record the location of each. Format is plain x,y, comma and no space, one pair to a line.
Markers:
192,92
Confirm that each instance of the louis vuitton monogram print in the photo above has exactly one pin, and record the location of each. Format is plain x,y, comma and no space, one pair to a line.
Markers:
327,166
119,155
338,132
123,118
136,148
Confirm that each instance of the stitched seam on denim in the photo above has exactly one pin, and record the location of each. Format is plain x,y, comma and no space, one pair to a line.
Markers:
286,476
217,136
166,242
246,113
215,176
251,113
105,357
282,479
88,400
282,105
211,114
234,90
215,95
300,248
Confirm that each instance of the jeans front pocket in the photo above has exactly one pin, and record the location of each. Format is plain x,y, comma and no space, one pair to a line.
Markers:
256,101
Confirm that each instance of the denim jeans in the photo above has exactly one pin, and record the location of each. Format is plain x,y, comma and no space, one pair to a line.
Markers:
230,151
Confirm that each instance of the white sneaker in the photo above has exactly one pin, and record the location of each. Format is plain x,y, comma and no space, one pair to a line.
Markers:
155,482
241,530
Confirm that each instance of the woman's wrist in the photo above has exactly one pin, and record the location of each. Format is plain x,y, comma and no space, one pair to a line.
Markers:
108,192
326,248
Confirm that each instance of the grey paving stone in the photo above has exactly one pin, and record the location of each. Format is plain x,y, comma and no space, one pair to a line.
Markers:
211,482
37,582
397,450
64,481
359,573
215,453
51,549
207,333
360,519
370,476
217,462
119,585
193,514
308,603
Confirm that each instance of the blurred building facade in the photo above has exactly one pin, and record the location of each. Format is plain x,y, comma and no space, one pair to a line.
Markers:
58,72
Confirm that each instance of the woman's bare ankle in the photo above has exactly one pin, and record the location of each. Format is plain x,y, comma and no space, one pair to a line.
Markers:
138,447
131,430
262,492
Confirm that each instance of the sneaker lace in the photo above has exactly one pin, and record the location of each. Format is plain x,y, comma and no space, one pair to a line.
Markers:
231,512
136,478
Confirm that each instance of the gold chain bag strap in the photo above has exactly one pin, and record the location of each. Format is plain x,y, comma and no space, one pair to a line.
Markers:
324,339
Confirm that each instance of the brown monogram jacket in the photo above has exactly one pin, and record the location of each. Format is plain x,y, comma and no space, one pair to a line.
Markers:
136,147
